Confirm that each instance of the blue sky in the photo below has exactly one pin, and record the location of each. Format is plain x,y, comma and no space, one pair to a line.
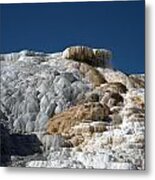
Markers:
51,27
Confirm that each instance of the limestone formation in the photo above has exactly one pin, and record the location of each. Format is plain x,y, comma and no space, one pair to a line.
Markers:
95,57
115,87
138,80
70,109
62,123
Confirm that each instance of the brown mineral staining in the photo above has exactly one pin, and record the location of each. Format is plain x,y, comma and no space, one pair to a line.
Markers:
62,123
112,99
92,74
76,140
95,77
78,53
115,87
94,57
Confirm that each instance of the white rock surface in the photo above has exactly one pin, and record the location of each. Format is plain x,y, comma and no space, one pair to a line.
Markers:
37,86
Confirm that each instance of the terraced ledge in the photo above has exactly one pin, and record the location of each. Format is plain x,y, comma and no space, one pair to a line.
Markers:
71,109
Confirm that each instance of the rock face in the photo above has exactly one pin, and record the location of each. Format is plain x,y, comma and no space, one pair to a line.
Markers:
70,110
5,146
64,121
95,57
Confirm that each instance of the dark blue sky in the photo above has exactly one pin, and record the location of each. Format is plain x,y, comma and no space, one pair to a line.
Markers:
50,27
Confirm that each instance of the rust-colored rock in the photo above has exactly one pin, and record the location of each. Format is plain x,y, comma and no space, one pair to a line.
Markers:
62,123
92,74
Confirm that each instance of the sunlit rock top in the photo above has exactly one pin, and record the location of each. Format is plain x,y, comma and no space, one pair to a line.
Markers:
95,57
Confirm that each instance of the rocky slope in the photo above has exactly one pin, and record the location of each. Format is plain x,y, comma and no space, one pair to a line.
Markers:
70,110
